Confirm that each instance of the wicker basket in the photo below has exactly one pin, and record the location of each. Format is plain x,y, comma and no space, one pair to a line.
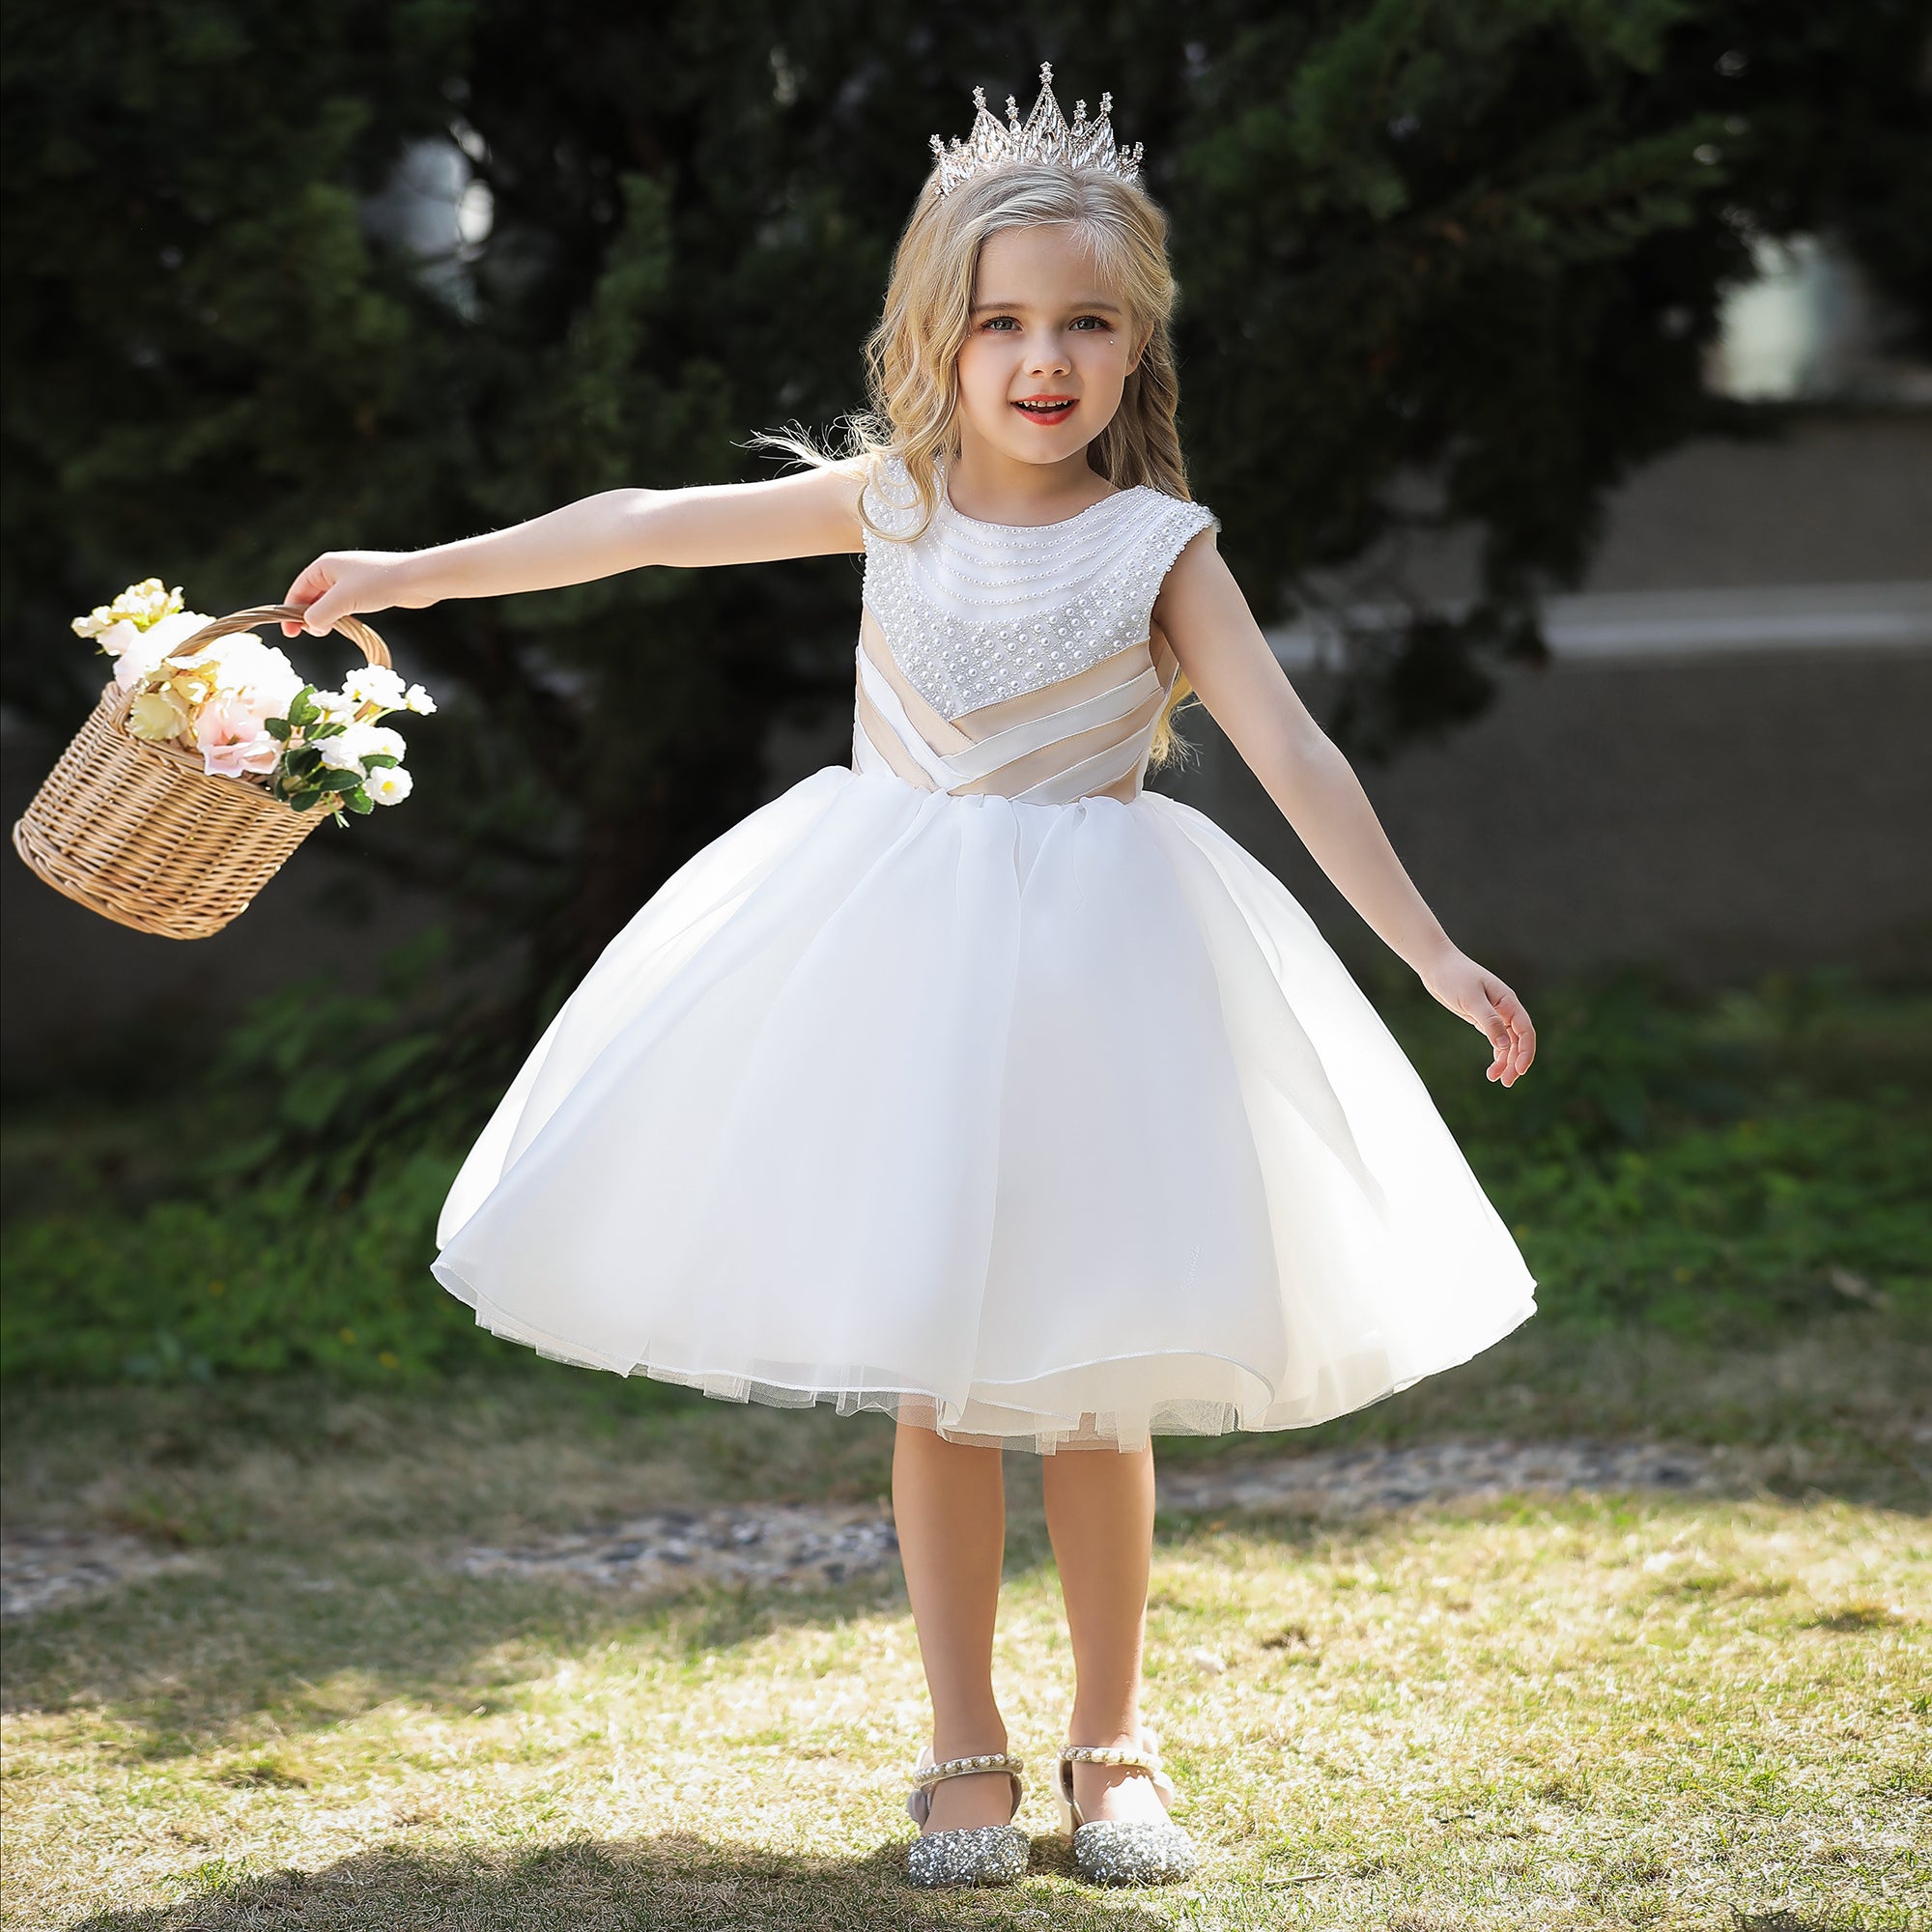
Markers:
142,834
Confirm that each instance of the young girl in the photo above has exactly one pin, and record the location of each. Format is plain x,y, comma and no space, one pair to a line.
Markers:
972,1082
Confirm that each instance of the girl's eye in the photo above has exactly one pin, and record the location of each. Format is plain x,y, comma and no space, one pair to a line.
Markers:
1007,323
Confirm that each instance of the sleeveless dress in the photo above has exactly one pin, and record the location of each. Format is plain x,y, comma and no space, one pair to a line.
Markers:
976,1084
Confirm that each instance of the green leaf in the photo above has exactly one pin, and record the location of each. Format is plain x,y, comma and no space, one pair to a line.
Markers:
278,727
338,781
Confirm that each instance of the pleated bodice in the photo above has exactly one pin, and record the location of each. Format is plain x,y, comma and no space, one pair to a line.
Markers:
1018,661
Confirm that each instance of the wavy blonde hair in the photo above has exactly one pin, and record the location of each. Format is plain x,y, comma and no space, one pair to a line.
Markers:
912,356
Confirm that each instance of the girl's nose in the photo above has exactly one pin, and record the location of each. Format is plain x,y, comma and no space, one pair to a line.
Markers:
1048,357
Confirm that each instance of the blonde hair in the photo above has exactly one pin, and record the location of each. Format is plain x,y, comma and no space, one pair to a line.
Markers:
912,356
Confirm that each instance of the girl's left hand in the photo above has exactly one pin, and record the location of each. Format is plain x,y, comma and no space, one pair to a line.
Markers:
1490,1008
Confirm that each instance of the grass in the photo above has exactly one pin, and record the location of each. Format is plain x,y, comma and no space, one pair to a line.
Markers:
1587,1712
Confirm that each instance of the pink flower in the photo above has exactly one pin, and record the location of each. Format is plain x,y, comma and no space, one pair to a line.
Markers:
228,729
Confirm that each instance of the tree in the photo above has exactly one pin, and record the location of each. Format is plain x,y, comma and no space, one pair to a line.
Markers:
1484,247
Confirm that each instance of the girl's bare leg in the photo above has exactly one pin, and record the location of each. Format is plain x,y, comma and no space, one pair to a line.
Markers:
1100,1512
948,1504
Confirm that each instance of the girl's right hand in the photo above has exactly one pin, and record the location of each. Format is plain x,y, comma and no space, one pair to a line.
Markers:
351,582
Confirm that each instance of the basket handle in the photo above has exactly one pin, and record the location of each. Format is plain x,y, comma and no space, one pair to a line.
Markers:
354,629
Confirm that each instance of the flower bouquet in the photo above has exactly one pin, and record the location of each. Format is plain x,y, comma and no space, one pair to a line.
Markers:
206,762
243,705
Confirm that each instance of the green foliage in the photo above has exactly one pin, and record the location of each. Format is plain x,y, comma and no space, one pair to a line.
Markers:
256,1280
313,1088
1731,1226
281,1202
1714,1170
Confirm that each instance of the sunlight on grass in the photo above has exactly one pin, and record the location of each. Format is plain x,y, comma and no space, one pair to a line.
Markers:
1601,1713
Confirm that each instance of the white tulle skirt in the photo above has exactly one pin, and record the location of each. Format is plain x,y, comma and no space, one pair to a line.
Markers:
1049,1125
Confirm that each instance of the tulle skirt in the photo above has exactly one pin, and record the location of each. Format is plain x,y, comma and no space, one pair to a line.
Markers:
1044,1126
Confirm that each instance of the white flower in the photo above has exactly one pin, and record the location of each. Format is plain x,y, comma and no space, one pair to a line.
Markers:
138,659
337,707
387,784
122,634
271,686
178,626
147,602
141,605
361,742
374,684
417,699
138,652
245,666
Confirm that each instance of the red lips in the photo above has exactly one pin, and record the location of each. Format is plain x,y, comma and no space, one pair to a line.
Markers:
1046,408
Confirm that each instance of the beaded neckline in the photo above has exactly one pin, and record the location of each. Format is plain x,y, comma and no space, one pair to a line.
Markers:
946,503
973,612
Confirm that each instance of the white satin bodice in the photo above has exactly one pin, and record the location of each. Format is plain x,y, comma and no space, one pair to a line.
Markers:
1016,661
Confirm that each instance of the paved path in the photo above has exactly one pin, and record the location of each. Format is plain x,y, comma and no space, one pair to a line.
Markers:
807,1546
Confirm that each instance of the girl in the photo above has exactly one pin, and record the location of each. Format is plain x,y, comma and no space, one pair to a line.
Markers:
970,1082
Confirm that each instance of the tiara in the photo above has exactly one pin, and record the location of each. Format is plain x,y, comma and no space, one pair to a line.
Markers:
1045,139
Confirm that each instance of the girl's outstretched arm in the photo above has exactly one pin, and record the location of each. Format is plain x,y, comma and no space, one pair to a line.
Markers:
813,513
1214,636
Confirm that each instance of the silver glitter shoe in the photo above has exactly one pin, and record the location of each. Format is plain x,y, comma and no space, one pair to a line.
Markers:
1110,1851
977,1853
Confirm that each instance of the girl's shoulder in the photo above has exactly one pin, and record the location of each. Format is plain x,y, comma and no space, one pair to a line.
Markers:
1183,512
1169,524
890,496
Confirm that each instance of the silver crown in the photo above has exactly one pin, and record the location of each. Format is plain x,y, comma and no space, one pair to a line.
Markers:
1045,139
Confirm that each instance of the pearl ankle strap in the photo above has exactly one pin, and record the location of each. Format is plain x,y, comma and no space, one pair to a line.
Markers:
1127,1755
963,1767
1110,1754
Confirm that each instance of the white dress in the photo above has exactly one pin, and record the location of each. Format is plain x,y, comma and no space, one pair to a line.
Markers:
975,1084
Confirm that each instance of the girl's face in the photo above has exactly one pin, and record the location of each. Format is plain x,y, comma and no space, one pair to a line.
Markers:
1048,348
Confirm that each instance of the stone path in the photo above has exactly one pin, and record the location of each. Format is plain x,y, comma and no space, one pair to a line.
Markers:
776,1545
1357,1482
42,1568
802,1546
798,1545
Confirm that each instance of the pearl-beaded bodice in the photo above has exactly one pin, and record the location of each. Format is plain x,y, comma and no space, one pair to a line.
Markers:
979,618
